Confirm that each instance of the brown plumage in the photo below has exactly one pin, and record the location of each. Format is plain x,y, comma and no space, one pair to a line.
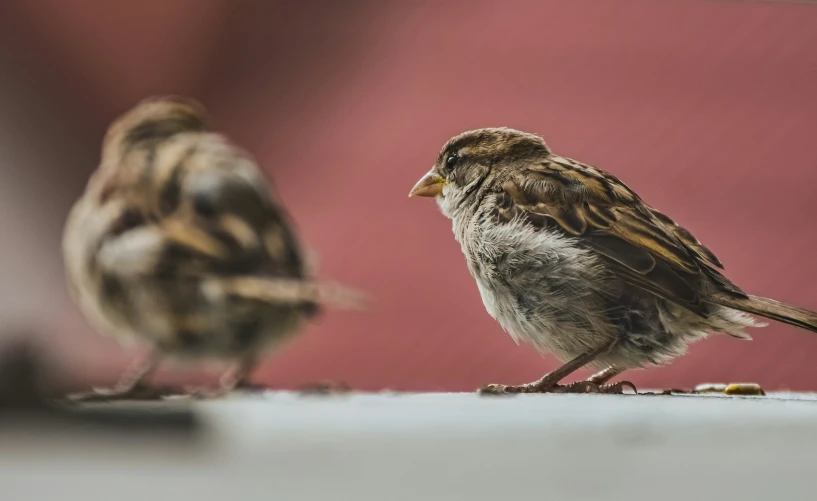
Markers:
569,258
180,241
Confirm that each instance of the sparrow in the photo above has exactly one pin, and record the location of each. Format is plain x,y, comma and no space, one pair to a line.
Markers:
179,241
569,259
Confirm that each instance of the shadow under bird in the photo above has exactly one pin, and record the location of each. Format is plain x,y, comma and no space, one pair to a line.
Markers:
569,259
180,241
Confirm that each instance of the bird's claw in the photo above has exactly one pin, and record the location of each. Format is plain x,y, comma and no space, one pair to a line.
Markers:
577,387
200,393
250,387
134,392
618,388
495,389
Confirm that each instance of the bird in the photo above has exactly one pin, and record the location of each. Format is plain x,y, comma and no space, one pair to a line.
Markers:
569,259
181,243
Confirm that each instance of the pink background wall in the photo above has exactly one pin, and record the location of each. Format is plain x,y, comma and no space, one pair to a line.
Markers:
708,109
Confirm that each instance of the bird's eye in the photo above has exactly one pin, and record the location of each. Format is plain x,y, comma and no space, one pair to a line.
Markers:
451,161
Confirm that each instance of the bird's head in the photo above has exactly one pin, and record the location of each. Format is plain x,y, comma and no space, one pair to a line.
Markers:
470,160
152,120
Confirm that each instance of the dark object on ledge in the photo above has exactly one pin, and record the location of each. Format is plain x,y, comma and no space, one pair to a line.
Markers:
29,397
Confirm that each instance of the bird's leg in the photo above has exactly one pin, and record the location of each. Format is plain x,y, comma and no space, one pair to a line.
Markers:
131,385
604,376
550,382
601,379
239,377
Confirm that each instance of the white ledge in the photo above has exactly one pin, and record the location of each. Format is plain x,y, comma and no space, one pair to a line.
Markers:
285,446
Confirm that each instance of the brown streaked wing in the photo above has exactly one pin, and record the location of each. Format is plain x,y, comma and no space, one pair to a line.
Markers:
687,238
606,216
663,281
602,204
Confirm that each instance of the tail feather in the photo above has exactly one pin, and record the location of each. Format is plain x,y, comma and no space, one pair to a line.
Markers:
771,309
288,291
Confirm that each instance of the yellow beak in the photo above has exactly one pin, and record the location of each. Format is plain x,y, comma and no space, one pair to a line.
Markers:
431,185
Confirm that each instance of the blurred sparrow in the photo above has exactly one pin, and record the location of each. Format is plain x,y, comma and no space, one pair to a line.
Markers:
179,241
569,259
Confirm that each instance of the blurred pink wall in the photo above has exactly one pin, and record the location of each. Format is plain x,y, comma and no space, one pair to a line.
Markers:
707,109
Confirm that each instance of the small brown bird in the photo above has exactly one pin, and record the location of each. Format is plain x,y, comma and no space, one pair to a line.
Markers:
180,241
568,258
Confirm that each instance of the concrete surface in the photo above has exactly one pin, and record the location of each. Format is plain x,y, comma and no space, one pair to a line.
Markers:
285,446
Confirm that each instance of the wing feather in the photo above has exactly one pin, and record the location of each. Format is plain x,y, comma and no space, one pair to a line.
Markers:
641,245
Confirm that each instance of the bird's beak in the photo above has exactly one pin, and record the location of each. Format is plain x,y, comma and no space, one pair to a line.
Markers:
431,185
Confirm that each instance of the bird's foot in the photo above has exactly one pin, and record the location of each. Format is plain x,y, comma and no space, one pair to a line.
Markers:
502,389
248,386
202,393
577,387
324,388
137,391
593,387
617,388
226,387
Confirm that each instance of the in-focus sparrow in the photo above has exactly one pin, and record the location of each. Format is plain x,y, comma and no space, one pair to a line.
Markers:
180,241
569,259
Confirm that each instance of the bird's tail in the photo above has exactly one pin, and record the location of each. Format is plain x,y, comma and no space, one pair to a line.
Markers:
288,291
769,308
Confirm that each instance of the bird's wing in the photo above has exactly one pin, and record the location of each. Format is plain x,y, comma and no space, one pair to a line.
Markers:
213,204
641,245
189,206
